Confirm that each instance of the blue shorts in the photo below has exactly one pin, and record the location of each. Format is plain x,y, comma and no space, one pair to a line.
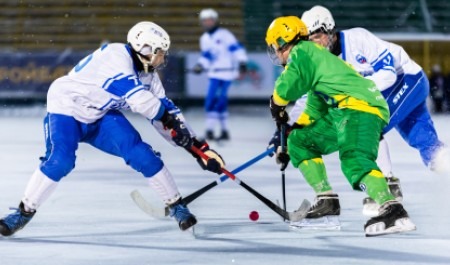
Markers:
113,134
217,97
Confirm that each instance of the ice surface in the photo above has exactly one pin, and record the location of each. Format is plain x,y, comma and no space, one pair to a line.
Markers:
91,219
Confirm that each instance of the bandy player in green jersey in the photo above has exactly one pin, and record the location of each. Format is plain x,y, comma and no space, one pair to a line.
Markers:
344,112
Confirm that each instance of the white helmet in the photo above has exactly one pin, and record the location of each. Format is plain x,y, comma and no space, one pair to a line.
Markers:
147,38
318,18
208,13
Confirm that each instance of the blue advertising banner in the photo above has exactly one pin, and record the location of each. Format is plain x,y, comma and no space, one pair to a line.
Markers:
28,75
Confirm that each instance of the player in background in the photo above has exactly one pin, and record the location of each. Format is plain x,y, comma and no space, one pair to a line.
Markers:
402,82
224,58
83,106
344,112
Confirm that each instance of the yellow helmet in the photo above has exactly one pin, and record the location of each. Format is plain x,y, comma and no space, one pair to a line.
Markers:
284,30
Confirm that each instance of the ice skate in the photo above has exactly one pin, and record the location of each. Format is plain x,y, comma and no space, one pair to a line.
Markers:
209,135
370,207
224,136
182,215
15,221
392,218
324,214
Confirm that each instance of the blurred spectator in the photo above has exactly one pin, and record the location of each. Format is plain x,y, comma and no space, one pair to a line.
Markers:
438,89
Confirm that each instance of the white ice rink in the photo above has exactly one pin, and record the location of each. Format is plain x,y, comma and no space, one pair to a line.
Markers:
91,219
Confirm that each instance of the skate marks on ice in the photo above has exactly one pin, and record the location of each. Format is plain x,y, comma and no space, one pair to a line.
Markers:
264,248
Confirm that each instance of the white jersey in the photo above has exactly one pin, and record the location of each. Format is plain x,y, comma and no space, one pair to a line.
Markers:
374,58
221,53
105,80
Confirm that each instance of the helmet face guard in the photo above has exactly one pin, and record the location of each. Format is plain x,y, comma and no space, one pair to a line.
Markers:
272,50
282,32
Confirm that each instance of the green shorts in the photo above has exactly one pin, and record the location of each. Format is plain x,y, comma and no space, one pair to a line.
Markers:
353,133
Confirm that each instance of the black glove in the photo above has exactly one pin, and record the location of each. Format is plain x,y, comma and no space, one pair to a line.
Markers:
281,157
242,68
197,69
215,162
279,114
179,132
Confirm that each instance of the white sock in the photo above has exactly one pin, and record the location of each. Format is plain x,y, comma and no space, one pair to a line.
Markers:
164,184
212,119
384,158
38,189
224,121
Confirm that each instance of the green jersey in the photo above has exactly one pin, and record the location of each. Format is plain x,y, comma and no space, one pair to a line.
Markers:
328,81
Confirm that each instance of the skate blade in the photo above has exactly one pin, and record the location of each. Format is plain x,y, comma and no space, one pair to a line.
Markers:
401,225
330,222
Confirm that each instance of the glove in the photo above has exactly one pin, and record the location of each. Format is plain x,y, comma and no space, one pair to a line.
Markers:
281,157
242,68
197,69
279,114
275,142
178,130
215,162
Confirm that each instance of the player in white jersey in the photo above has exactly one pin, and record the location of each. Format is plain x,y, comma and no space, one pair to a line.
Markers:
402,82
223,57
84,105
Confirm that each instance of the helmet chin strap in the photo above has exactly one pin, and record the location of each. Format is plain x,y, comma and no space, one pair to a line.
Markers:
148,64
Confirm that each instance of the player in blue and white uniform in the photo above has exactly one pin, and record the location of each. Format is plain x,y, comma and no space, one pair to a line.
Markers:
402,82
223,57
83,106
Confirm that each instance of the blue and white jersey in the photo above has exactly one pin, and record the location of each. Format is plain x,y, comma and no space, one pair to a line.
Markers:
104,80
374,58
385,63
221,54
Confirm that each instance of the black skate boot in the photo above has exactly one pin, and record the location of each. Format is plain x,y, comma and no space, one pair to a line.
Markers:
182,215
15,221
209,135
392,218
323,214
370,207
325,205
224,136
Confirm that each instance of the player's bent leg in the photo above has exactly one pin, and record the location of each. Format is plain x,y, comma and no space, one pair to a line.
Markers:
164,184
418,131
124,141
62,136
323,214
